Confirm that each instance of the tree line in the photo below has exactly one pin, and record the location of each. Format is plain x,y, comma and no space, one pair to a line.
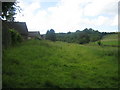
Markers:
85,36
81,37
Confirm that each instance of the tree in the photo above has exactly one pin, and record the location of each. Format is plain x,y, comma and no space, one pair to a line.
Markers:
69,32
80,37
47,35
50,35
9,10
77,31
83,38
85,30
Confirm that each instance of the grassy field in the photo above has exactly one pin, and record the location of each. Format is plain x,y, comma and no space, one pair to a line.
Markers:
111,39
44,64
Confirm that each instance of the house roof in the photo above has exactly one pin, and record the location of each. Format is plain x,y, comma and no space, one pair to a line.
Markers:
21,27
34,34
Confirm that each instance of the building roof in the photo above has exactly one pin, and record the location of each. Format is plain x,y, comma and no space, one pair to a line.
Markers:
21,27
34,34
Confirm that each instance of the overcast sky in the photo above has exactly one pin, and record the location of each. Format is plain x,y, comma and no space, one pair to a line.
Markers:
69,15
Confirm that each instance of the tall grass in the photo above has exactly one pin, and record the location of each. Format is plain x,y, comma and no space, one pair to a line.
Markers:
46,64
110,39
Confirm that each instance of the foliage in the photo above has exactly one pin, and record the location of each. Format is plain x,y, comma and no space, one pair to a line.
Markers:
15,37
99,43
81,37
37,38
43,64
9,10
50,35
108,39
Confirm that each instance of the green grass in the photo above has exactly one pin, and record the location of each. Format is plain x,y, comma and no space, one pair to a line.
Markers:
111,39
44,64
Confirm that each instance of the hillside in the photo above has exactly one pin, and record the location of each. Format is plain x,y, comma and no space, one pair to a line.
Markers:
109,40
36,64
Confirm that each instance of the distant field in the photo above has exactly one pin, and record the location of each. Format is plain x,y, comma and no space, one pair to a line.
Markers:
111,39
36,64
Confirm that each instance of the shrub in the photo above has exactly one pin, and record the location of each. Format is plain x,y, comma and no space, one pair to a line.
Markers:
19,38
99,43
15,37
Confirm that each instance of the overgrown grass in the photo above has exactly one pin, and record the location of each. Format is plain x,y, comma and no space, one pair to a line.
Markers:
46,64
111,39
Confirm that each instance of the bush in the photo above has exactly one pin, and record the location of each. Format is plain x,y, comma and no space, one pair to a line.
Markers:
99,43
15,37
